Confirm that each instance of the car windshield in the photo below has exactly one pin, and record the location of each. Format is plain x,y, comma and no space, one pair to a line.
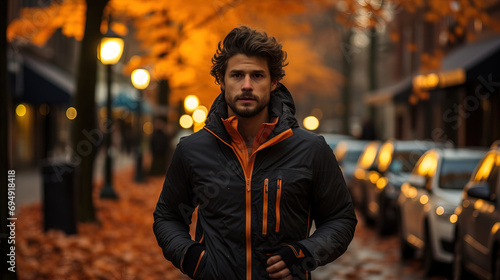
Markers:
456,173
404,161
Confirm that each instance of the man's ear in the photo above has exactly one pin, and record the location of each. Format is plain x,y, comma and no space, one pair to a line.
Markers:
222,86
274,84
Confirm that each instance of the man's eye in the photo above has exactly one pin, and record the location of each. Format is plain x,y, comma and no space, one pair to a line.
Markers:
258,75
236,75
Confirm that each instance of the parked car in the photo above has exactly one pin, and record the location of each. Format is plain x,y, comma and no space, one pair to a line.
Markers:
347,153
392,167
427,204
477,240
357,183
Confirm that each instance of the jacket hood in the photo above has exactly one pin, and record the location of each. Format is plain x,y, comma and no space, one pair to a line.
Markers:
281,105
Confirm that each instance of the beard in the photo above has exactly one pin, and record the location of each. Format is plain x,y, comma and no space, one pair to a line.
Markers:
247,111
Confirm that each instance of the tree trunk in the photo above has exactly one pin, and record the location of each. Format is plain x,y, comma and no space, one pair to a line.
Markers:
347,61
86,137
372,67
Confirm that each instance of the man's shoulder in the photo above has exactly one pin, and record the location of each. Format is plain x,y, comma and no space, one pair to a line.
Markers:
306,135
198,138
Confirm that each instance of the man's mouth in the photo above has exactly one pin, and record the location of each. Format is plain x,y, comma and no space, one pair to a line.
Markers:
246,98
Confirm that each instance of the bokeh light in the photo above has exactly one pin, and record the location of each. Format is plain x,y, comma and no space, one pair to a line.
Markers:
186,121
311,123
71,113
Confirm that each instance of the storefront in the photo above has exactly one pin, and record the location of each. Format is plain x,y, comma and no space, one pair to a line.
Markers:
464,95
41,96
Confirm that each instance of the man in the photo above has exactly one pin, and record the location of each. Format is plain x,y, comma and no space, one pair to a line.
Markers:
257,179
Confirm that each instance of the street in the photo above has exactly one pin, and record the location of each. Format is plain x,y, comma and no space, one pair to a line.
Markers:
371,257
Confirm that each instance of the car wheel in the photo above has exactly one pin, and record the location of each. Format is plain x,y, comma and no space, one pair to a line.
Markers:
458,266
430,264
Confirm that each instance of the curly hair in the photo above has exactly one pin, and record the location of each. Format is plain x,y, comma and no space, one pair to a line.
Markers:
247,41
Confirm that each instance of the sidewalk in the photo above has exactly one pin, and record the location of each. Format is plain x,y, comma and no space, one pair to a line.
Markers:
121,246
29,182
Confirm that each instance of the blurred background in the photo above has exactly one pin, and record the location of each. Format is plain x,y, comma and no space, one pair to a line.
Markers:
96,94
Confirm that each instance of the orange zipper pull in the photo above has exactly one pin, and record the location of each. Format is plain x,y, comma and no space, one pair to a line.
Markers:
264,212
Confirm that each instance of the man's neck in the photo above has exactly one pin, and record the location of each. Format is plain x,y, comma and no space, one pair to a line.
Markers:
248,128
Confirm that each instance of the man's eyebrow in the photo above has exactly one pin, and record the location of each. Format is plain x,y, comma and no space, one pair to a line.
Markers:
252,71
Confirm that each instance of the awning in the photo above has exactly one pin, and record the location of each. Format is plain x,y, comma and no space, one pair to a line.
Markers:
472,56
128,102
38,82
387,94
465,64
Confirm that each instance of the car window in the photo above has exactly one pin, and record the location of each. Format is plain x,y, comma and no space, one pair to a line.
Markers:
404,161
455,173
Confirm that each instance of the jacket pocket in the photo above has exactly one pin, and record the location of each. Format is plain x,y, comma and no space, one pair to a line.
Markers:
278,200
265,206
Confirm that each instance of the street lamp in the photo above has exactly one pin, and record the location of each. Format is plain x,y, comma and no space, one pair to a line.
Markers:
140,79
110,51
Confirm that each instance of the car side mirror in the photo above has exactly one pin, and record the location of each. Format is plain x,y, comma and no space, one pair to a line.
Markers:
480,191
417,181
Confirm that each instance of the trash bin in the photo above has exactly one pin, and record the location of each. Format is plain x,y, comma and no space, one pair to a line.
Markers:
59,206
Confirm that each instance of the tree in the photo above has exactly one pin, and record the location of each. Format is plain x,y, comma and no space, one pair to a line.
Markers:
85,104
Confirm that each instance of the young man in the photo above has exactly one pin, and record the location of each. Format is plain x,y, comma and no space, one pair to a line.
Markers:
257,178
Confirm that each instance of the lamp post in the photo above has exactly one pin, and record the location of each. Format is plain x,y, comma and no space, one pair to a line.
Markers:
140,79
111,49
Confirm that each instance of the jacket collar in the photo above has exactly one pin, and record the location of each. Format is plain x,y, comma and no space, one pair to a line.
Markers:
281,105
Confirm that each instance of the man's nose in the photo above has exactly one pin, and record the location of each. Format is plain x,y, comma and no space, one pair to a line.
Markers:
247,83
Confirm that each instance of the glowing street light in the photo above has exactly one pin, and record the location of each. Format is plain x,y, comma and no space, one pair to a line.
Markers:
110,52
140,79
111,49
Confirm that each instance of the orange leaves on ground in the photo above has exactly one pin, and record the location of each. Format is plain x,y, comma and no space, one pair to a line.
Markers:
123,246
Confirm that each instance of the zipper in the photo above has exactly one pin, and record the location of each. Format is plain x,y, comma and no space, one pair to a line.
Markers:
264,212
278,199
248,171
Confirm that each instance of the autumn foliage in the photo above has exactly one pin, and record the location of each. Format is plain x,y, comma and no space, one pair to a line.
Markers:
176,39
122,247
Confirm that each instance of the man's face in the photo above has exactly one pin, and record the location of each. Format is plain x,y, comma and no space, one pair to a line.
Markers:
247,85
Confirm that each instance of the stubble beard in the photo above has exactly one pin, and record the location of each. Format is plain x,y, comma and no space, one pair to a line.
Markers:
247,112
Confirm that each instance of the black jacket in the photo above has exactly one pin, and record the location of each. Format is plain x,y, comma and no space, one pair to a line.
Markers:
294,177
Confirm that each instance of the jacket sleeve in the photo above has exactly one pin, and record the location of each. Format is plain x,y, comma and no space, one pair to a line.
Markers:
332,209
172,215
